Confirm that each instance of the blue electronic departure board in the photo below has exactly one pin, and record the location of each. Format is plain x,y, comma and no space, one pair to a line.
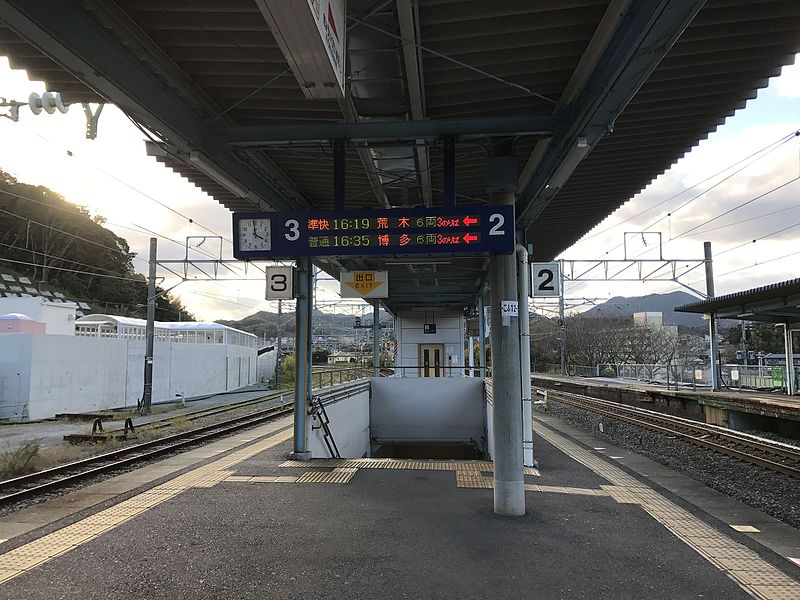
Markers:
396,232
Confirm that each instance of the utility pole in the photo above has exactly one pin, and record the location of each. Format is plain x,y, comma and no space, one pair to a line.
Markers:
712,321
147,393
744,343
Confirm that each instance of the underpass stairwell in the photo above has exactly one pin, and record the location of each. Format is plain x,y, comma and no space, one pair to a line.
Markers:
509,493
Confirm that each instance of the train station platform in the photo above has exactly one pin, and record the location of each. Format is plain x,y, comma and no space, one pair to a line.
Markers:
236,519
735,409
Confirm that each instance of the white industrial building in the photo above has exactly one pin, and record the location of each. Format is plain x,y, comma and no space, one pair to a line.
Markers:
100,364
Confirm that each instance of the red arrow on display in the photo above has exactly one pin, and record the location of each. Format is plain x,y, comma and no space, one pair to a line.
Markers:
470,238
470,221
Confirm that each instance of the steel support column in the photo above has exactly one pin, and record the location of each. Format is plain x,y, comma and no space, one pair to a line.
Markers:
712,321
312,288
525,355
509,493
376,337
302,363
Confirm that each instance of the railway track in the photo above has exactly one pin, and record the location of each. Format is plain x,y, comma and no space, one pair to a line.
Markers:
166,422
768,454
67,475
51,480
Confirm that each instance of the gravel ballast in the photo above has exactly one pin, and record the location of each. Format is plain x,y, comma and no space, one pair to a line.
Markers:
772,493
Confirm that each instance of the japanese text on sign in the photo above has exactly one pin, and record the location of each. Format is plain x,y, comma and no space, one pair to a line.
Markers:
475,229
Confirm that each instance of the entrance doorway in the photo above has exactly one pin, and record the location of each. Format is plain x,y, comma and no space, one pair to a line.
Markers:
431,360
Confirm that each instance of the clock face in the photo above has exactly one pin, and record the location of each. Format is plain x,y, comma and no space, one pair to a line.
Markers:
255,234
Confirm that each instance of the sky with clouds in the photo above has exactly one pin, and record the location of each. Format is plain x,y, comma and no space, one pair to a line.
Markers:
113,176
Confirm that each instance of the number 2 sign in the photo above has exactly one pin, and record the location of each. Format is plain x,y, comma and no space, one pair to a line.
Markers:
546,278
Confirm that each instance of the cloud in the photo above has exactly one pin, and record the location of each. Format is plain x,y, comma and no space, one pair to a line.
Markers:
788,84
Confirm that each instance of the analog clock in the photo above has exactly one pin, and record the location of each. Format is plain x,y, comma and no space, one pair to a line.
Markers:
255,234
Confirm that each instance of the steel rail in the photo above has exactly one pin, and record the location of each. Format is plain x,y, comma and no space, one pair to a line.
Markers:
80,470
616,411
705,428
157,424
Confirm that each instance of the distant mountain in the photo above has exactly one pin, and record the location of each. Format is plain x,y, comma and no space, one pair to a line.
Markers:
663,303
263,323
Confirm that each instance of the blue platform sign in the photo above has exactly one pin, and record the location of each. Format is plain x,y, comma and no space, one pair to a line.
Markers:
394,232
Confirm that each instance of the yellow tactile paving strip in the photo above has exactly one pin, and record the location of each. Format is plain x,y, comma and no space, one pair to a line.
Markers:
740,563
30,555
469,473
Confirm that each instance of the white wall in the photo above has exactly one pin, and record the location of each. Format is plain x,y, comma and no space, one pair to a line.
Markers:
73,374
15,375
349,425
41,375
431,409
266,365
180,368
409,330
58,317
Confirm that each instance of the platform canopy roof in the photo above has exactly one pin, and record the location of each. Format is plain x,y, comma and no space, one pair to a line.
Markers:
775,303
593,99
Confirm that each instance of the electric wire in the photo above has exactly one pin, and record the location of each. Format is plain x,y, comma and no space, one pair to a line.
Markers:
777,143
737,207
88,241
21,262
50,256
455,61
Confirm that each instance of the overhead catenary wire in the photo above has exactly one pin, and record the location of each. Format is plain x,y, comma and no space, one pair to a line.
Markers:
50,256
765,149
120,277
737,207
88,241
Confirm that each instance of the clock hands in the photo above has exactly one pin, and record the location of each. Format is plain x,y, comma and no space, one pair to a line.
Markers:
254,231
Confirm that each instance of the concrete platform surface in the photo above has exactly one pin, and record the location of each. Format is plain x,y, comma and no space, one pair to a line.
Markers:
249,524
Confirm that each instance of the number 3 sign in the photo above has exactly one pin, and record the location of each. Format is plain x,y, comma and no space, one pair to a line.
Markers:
546,278
280,283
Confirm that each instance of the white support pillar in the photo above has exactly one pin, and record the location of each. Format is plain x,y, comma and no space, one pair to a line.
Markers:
712,321
525,355
302,355
787,341
482,334
509,491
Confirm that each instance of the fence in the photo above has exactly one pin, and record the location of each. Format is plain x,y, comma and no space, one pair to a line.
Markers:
731,376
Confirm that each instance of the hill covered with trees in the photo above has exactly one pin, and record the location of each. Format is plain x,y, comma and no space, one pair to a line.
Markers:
59,245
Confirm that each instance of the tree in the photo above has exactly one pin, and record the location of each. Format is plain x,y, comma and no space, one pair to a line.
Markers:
59,243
